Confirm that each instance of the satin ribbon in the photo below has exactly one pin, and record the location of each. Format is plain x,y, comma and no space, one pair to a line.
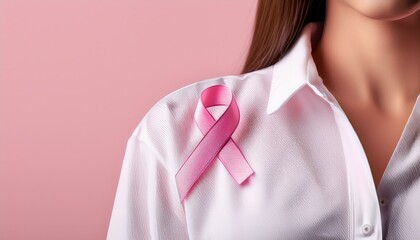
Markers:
216,142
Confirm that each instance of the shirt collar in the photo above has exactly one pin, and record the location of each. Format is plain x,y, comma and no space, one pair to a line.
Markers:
296,69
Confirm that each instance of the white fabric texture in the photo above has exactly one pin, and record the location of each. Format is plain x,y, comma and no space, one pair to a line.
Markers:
312,178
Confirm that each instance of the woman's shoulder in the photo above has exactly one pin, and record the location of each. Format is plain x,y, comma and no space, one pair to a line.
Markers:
175,110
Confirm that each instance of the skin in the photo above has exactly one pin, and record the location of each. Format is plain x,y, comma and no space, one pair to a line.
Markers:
369,59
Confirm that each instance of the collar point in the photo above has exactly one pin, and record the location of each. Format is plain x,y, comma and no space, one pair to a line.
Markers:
270,110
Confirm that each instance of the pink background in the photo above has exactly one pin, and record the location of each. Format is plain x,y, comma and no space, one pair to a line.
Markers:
76,77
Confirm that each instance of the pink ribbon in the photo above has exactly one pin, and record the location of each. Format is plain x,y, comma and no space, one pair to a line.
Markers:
216,142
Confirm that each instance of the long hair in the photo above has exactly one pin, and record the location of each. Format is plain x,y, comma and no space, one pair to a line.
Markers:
278,24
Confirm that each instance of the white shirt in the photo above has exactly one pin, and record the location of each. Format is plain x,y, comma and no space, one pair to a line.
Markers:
311,178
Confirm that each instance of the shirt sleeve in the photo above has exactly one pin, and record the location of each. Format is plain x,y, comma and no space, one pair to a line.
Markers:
146,206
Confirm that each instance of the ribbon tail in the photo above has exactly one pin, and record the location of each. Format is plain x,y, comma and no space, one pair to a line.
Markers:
234,162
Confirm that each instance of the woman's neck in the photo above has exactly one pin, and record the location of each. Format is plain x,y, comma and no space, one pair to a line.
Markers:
369,61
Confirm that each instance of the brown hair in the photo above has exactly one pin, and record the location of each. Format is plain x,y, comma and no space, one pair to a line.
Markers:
277,26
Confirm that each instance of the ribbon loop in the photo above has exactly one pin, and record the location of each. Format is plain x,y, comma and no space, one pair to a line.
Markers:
216,142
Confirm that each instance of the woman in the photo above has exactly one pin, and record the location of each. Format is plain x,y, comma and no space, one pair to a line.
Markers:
317,139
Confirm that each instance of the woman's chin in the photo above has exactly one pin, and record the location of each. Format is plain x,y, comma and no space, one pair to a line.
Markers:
388,10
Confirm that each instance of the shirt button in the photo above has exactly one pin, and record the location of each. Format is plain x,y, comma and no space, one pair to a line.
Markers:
367,229
383,202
